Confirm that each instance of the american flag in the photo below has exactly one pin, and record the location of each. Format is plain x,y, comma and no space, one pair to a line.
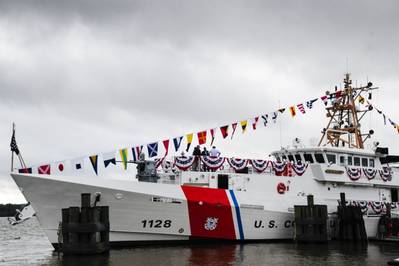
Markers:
13,144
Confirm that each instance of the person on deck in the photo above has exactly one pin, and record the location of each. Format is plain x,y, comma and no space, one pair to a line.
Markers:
205,152
197,154
214,152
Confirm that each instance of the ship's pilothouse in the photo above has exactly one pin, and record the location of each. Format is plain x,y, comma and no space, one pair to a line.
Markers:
331,156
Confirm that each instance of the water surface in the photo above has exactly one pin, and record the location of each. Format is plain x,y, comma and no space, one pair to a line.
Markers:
26,244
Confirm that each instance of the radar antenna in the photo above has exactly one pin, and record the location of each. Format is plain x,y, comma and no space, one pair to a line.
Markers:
343,128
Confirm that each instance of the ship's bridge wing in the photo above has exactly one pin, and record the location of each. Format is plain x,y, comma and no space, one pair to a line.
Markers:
389,159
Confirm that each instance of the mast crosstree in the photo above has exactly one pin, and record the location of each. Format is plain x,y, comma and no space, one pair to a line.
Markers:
344,128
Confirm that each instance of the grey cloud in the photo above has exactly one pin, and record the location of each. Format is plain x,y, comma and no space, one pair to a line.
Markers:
87,76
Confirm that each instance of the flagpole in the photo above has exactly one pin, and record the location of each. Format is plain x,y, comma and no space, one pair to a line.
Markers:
12,153
281,134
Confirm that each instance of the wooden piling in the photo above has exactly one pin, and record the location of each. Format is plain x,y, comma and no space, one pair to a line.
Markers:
85,199
311,222
85,230
351,223
104,219
74,217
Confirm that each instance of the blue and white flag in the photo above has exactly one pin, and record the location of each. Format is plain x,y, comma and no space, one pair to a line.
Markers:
152,149
309,104
78,164
265,117
274,117
177,142
109,158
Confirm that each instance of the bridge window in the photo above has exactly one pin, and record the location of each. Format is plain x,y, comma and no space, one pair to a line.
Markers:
291,158
342,160
331,158
356,161
365,162
298,158
284,157
308,158
319,158
349,160
371,163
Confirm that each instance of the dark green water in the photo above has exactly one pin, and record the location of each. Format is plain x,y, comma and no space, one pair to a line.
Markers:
25,244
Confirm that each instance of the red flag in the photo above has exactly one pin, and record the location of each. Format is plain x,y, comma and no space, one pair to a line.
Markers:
212,135
44,169
325,100
201,137
234,125
166,145
254,122
301,108
224,130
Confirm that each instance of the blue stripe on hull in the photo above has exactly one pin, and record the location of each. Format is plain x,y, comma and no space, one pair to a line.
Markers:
237,214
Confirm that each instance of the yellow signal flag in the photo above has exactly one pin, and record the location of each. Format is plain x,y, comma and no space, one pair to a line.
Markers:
123,154
244,124
361,99
189,138
94,161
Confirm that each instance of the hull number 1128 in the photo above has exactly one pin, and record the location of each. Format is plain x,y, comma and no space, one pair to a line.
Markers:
156,223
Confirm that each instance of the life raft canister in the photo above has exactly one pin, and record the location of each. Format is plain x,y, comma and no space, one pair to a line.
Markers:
281,188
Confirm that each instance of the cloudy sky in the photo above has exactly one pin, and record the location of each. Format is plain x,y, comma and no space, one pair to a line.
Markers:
84,77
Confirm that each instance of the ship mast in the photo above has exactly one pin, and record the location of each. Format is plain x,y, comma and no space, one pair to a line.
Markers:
343,128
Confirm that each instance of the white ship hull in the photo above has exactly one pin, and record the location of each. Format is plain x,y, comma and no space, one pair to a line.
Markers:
141,211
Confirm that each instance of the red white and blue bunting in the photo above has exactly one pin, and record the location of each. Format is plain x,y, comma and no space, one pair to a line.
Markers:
372,207
279,167
213,163
370,173
299,168
237,164
259,165
377,206
386,174
354,173
184,162
363,206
